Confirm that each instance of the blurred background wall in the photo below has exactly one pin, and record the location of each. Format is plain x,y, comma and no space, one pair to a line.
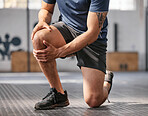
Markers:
131,31
128,15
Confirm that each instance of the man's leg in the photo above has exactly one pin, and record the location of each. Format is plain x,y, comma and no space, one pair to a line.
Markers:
94,88
49,68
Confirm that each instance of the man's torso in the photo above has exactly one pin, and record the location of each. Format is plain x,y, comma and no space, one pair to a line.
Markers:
74,14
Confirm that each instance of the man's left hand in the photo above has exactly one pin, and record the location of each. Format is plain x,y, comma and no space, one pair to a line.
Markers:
46,55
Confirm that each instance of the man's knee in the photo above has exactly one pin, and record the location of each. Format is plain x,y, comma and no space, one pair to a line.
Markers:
38,39
94,100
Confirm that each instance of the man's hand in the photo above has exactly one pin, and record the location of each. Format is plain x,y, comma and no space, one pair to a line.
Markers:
39,26
46,55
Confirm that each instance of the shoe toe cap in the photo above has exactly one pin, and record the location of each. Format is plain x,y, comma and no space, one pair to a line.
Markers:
37,106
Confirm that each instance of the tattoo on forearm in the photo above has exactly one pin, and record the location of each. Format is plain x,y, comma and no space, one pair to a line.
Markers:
101,18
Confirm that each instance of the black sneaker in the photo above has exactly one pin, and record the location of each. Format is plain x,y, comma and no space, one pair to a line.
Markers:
109,78
53,99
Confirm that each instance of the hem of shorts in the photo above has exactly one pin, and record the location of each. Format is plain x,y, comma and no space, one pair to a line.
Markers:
91,67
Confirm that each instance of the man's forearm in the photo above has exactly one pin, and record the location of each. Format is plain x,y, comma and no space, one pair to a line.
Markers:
45,16
94,23
77,44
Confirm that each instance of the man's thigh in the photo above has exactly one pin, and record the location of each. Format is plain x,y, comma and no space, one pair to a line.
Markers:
93,81
54,36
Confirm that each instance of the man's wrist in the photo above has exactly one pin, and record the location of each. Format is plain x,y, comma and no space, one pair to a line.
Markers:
42,21
61,51
44,16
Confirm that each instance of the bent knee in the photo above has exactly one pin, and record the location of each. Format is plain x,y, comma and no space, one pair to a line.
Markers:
38,39
39,36
94,100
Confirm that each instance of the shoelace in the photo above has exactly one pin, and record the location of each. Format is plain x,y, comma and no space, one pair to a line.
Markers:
52,97
47,95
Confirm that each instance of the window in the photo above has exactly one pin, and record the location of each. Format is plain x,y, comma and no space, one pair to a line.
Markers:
32,4
123,4
1,4
15,3
36,4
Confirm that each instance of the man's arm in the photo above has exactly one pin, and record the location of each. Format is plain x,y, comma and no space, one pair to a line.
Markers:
44,16
94,24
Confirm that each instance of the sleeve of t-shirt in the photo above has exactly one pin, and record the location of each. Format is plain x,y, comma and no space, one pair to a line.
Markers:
99,5
50,1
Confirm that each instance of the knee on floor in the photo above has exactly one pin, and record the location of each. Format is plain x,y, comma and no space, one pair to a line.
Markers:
94,100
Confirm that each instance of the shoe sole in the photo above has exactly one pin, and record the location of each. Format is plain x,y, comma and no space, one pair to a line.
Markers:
63,104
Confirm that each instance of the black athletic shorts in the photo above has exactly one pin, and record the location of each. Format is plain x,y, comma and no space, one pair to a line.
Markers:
91,56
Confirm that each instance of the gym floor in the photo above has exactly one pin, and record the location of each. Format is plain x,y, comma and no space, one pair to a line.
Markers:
20,91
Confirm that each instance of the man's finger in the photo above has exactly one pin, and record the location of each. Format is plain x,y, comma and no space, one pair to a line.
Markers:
34,31
32,35
47,27
37,28
40,51
41,56
46,43
42,60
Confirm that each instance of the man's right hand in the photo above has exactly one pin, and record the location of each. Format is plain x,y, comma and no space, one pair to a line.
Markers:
39,26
